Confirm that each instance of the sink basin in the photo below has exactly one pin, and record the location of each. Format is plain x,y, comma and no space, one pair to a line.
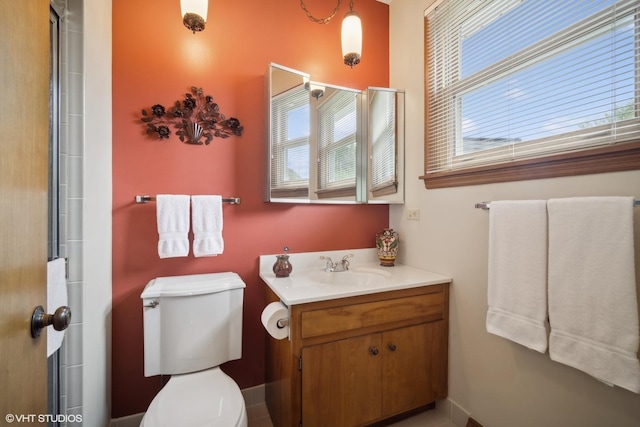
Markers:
354,277
310,283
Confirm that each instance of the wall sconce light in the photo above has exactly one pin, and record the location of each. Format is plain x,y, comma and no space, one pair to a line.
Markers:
194,14
351,32
351,37
316,90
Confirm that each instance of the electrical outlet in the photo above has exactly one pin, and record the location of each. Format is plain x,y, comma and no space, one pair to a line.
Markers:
413,214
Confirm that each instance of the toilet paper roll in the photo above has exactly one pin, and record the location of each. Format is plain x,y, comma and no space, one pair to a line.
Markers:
270,316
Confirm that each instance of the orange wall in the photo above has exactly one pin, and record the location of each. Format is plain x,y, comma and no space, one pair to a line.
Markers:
157,60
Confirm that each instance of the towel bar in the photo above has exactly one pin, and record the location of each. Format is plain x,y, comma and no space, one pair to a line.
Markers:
147,199
487,205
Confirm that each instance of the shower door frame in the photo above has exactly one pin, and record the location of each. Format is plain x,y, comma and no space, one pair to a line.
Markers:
53,238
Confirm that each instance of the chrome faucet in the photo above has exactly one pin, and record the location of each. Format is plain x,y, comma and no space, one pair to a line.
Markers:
335,267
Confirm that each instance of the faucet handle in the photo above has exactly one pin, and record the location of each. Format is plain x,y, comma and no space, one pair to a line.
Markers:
345,263
330,265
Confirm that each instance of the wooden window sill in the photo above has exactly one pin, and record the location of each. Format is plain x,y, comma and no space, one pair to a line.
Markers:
615,158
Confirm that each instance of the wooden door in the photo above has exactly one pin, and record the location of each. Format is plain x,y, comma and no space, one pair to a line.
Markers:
412,367
24,124
341,382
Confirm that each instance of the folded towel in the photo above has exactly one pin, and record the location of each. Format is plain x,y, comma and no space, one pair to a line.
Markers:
173,225
517,289
593,306
206,214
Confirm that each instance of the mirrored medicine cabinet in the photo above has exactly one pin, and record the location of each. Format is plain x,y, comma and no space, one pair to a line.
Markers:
331,144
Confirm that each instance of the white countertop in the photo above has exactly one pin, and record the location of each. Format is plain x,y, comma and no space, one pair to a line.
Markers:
304,283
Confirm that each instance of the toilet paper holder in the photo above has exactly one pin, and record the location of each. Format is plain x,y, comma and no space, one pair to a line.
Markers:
282,323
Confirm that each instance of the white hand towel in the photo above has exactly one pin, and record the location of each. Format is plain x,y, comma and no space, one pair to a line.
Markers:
173,225
206,214
517,289
593,307
56,297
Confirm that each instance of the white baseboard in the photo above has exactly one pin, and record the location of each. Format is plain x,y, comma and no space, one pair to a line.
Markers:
456,413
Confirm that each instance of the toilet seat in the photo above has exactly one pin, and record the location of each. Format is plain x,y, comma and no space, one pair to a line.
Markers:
207,398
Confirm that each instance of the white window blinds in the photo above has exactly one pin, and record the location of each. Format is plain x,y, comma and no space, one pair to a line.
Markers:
510,80
290,143
337,134
383,140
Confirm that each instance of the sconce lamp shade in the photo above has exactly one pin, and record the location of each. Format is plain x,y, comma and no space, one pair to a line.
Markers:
194,14
316,90
351,38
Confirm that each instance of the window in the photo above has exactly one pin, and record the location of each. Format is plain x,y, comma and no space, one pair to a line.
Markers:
290,155
521,89
337,136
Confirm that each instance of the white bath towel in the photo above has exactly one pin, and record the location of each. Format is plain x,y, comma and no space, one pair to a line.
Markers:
173,225
206,214
593,307
517,289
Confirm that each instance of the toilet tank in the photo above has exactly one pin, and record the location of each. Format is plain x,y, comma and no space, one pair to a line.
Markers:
191,322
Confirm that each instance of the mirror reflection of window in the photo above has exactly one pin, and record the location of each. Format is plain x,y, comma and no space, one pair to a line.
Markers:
383,143
290,143
331,144
337,136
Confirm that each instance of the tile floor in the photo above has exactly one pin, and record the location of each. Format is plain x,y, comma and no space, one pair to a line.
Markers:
259,417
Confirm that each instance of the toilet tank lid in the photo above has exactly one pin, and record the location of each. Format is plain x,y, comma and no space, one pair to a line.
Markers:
194,284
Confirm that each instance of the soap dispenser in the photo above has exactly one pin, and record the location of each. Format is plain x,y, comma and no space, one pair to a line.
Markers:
282,267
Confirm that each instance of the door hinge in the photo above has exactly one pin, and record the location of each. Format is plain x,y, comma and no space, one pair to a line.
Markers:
300,367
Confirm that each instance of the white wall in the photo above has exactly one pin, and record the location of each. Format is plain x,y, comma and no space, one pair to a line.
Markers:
500,383
96,383
72,198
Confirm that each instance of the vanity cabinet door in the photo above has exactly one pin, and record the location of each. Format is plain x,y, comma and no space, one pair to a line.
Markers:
413,368
341,382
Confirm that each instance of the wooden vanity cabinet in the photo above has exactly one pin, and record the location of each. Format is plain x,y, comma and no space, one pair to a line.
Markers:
359,360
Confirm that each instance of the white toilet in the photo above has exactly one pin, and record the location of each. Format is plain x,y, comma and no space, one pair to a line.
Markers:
193,324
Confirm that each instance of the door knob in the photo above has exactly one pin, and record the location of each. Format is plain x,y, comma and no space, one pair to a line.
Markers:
39,320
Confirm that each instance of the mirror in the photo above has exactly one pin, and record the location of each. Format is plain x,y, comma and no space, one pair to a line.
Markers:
335,142
288,129
385,145
317,145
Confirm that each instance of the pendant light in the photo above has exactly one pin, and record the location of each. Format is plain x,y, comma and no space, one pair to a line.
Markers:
351,32
194,14
351,37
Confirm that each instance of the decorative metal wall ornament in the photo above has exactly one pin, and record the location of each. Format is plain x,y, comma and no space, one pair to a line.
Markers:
196,117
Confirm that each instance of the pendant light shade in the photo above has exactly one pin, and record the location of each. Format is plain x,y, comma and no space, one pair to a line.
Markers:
351,38
194,14
351,33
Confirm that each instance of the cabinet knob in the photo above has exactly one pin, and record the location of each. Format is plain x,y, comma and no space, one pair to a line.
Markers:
373,350
392,347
